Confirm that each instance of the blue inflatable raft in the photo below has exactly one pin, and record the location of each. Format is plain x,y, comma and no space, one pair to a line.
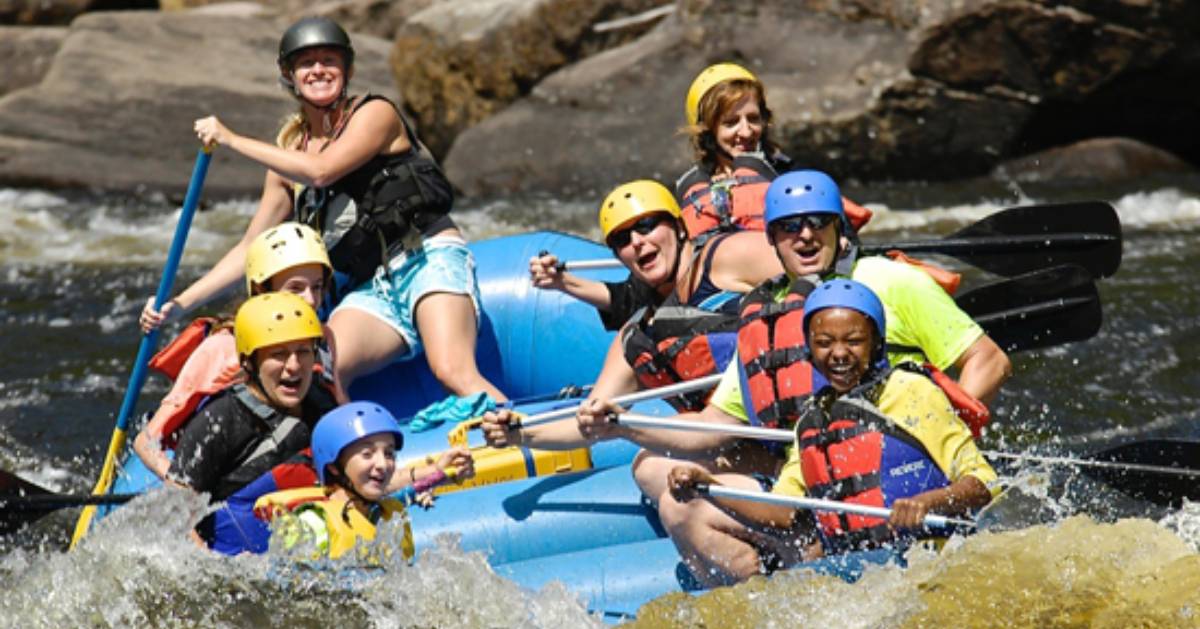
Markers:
584,523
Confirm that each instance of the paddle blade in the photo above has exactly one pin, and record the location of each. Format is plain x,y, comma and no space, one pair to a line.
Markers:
14,492
1022,239
1162,471
1040,309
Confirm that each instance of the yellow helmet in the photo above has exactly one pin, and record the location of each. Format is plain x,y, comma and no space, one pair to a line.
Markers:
271,319
632,200
280,248
709,78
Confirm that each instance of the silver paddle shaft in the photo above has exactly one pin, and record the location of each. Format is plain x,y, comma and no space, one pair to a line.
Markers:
930,521
689,386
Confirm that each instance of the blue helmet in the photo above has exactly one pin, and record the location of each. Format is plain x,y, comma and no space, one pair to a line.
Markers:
842,293
803,192
345,425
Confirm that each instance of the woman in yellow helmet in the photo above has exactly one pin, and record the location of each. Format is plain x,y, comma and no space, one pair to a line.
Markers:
203,360
245,430
353,168
688,331
728,124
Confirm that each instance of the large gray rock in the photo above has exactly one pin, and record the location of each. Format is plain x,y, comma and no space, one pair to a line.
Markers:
42,12
867,90
115,109
28,52
460,62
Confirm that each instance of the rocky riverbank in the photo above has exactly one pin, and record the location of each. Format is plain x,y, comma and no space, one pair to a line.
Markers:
568,97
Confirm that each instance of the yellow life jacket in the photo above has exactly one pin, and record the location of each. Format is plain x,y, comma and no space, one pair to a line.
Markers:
338,529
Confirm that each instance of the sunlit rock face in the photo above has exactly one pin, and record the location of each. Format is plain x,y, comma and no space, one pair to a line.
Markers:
876,91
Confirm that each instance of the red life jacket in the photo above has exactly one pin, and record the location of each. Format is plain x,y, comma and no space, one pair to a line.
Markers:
773,359
681,343
737,202
974,413
727,204
169,360
858,455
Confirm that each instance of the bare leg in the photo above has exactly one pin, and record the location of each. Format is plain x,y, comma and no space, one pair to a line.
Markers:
446,323
365,344
718,549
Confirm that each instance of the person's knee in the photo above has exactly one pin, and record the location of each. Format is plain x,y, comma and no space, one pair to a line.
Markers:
455,370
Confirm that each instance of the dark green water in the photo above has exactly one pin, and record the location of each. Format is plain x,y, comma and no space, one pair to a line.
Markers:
74,272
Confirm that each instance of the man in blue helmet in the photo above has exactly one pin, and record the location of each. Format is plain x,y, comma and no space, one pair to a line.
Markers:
766,386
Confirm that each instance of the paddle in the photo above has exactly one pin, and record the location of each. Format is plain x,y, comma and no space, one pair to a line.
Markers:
1022,239
149,341
1040,309
1158,470
816,504
629,398
1010,242
1162,471
22,502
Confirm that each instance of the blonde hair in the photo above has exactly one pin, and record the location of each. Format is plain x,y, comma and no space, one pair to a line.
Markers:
715,104
292,129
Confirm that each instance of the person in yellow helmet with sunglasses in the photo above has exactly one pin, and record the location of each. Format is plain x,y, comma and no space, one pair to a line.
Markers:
289,257
687,332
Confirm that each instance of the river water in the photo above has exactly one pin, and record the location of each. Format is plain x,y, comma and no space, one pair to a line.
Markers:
1062,552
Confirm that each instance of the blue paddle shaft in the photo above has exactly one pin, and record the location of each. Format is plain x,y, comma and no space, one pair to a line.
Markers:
150,339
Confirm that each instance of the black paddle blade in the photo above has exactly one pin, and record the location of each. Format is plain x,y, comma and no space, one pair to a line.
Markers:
22,502
1162,471
1041,309
1023,239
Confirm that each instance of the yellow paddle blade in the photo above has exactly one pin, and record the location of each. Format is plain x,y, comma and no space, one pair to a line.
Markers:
103,484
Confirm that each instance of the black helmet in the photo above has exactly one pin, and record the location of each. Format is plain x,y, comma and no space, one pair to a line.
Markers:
310,32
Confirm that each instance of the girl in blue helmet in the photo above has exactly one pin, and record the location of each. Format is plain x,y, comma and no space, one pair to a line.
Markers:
891,429
354,452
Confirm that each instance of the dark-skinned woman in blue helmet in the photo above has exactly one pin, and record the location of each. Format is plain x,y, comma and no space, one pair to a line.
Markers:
890,430
353,169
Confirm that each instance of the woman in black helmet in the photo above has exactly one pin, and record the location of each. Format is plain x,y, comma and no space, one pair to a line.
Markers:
352,168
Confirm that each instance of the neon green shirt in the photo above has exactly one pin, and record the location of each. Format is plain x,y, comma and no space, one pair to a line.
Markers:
919,314
917,406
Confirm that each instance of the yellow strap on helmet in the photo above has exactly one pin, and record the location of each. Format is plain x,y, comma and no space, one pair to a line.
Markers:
271,319
709,78
633,200
280,248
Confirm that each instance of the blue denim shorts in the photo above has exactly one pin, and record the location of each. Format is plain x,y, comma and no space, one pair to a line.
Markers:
444,264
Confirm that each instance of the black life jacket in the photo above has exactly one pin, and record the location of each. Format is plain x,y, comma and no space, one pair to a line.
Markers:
381,208
681,343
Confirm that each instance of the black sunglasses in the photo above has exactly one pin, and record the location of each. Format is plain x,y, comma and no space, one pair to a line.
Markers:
796,224
621,238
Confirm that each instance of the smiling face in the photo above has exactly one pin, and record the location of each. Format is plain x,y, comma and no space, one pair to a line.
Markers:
368,464
320,74
841,341
307,281
285,373
740,127
808,251
650,256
